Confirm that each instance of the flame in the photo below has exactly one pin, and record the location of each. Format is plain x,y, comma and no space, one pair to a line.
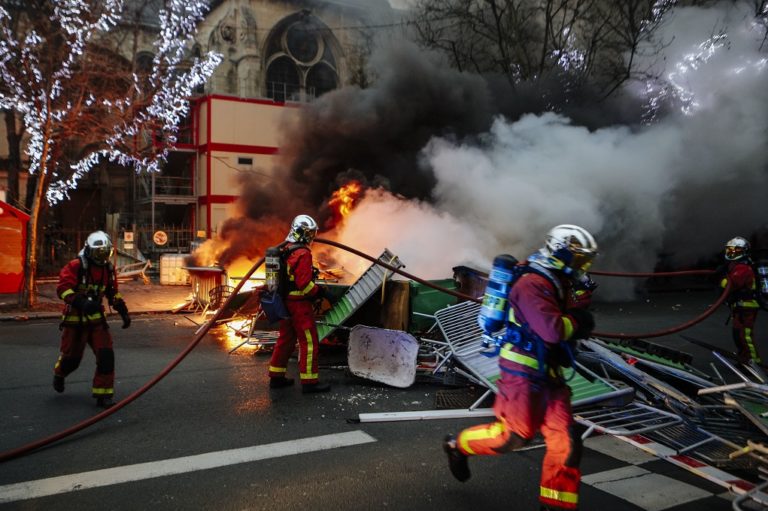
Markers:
343,201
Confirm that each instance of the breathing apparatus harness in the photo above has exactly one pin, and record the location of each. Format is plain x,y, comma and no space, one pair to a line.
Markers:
519,334
278,283
92,290
758,293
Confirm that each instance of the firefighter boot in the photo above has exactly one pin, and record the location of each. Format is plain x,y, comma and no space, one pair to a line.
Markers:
312,388
457,461
58,383
279,382
104,402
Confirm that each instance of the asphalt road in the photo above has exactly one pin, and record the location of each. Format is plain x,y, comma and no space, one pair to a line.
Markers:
214,401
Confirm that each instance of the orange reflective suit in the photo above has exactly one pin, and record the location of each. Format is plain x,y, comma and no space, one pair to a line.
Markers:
744,307
79,329
532,394
300,326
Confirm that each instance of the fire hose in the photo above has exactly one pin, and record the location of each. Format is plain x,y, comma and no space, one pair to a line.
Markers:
19,451
708,312
24,449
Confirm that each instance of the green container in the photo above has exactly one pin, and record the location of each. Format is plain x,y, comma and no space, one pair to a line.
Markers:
426,301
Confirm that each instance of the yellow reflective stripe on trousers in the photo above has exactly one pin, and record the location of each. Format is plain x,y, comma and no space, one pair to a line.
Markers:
751,345
487,432
560,496
273,369
101,391
75,318
310,356
513,356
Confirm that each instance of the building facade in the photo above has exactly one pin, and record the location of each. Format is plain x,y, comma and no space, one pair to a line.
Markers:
277,56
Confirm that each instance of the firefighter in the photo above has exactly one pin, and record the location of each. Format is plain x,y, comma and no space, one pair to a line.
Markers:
298,292
742,298
547,313
83,283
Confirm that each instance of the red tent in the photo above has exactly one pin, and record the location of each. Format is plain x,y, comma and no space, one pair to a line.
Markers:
13,242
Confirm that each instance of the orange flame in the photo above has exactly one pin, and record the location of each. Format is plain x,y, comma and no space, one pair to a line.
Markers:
343,201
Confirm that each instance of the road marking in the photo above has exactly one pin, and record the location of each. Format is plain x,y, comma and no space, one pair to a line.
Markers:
140,471
649,491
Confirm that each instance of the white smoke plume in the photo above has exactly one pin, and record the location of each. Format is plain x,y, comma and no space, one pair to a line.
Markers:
679,187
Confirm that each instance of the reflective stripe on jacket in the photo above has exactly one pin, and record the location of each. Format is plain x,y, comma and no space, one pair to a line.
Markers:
97,281
301,285
743,285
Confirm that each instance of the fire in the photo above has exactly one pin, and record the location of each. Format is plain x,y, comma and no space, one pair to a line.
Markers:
343,201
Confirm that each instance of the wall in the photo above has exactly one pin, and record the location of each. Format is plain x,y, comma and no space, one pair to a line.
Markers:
240,129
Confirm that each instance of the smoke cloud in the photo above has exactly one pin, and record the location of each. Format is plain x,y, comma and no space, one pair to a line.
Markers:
679,188
455,176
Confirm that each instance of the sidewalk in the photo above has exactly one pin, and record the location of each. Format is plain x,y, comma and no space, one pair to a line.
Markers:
140,298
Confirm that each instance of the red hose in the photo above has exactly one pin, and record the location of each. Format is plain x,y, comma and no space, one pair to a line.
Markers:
397,270
19,451
659,274
710,310
14,453
660,333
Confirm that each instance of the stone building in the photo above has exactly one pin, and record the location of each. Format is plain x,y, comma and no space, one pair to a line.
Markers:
278,55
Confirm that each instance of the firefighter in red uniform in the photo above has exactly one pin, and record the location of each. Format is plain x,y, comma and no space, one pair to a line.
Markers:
547,313
742,298
299,294
83,282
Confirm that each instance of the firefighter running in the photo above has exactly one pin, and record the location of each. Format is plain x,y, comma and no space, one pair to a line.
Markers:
546,314
83,282
742,299
298,290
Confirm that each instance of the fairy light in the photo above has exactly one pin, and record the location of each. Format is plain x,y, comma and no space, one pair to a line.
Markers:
37,96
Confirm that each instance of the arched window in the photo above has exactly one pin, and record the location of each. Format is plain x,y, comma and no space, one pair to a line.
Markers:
283,81
321,78
301,59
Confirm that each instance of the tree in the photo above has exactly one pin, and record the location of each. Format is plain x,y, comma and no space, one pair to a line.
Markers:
84,98
579,41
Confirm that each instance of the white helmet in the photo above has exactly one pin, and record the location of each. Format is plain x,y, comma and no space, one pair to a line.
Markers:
571,245
736,248
303,230
98,248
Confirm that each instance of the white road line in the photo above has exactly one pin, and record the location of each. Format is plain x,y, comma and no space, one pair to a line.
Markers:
140,471
649,491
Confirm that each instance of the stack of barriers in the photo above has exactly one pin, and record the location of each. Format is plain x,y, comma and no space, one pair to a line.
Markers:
610,406
635,397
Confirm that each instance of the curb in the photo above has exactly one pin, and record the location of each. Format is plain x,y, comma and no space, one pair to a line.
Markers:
22,316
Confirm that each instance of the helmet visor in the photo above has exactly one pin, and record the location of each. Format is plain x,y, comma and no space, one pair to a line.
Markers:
582,260
100,255
733,252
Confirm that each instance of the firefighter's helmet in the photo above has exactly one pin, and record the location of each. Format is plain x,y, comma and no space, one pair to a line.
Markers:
736,249
303,230
98,248
571,245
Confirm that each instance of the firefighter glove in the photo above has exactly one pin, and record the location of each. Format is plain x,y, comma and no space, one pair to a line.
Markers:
585,323
122,309
585,283
86,305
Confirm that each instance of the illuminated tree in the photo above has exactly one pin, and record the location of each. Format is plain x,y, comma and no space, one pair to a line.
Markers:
83,98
